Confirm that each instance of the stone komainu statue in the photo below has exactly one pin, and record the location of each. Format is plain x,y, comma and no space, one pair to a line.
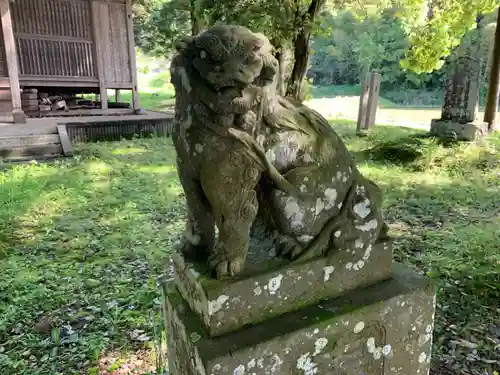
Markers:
240,146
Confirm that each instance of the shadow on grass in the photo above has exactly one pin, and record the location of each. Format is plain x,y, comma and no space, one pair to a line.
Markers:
451,232
442,207
83,245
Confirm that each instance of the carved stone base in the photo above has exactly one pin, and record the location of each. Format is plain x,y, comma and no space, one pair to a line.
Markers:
385,329
270,286
470,131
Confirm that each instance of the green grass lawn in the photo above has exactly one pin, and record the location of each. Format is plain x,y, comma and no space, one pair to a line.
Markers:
83,243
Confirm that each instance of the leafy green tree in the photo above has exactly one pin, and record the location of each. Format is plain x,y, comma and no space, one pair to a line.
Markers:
400,38
434,36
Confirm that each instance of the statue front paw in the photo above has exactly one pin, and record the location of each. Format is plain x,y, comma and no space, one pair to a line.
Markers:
225,265
288,246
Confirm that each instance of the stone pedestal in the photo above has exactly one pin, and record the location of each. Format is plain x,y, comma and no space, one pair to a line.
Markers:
335,315
454,130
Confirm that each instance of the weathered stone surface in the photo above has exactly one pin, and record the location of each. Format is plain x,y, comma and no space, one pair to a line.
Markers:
384,329
459,116
297,223
469,131
270,286
245,153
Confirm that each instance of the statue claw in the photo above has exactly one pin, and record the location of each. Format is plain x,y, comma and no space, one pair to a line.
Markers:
224,267
287,246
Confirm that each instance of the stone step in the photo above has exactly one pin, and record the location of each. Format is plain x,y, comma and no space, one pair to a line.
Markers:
31,152
382,329
9,163
270,286
29,140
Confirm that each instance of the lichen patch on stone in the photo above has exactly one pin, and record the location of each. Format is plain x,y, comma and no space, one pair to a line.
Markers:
195,337
274,284
330,197
424,339
251,364
370,345
368,226
294,213
320,206
306,364
359,327
362,209
240,370
422,357
319,345
328,270
216,305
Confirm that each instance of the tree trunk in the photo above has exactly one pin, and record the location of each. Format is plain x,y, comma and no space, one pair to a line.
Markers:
196,26
280,55
301,50
490,112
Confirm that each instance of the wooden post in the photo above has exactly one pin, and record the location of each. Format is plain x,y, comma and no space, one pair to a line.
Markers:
363,104
373,94
117,95
490,112
99,53
368,102
133,64
12,66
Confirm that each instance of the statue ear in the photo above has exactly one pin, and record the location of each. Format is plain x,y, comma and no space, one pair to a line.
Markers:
183,43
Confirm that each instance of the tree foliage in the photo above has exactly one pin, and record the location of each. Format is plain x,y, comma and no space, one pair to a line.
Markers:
444,25
403,39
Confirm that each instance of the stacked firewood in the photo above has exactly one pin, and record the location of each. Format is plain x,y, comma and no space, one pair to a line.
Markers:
34,101
51,102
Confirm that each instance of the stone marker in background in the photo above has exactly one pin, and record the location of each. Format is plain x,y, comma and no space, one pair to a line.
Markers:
368,102
459,116
300,278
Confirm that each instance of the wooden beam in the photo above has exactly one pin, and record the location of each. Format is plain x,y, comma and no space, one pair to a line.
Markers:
490,112
97,32
11,57
363,104
133,64
54,83
119,86
373,95
89,112
67,147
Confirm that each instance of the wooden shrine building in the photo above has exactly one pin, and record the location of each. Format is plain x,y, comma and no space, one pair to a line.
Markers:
65,47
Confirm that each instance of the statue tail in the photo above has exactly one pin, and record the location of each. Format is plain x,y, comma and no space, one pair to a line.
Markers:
258,152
